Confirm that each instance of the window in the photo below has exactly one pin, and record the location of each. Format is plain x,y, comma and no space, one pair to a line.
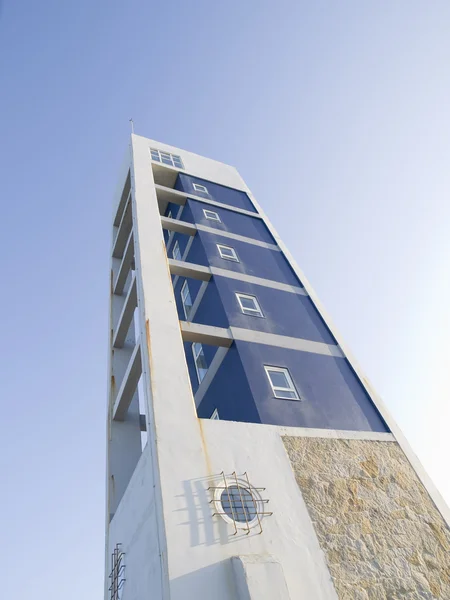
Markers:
211,215
200,188
176,252
227,252
281,382
166,158
186,299
238,504
215,415
199,360
168,235
249,305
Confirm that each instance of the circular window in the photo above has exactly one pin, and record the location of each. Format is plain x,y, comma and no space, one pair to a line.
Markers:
238,504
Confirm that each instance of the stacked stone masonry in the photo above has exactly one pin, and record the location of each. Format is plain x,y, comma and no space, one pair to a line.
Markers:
381,533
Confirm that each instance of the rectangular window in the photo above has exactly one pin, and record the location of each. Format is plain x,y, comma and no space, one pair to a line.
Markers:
227,252
199,360
166,158
176,252
211,215
249,305
155,154
200,188
186,299
215,415
169,234
281,382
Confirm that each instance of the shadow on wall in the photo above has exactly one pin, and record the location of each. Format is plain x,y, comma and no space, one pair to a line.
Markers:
214,581
205,528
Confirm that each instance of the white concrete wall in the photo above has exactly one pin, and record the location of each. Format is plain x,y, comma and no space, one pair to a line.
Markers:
135,527
260,577
200,166
200,546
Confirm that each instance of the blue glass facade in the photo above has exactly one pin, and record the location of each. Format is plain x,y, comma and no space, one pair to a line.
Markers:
331,395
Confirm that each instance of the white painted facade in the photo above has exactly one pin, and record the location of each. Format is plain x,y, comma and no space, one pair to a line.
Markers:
159,503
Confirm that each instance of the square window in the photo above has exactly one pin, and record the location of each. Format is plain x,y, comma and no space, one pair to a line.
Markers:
200,361
281,383
211,215
186,299
249,305
215,415
200,188
176,252
227,252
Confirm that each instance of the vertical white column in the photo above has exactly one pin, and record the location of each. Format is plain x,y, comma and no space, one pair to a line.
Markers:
172,424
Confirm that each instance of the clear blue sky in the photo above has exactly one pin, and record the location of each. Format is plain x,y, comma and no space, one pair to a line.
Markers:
337,116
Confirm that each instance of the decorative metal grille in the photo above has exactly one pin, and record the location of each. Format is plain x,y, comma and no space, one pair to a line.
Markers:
237,501
116,575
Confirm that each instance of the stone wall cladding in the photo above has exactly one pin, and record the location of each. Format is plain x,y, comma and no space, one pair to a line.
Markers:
380,531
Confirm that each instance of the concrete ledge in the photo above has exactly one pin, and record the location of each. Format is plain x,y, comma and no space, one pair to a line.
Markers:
276,285
179,226
165,194
259,577
237,237
184,269
123,200
125,265
172,233
205,334
184,258
285,341
219,336
309,432
126,315
378,436
128,386
191,229
123,232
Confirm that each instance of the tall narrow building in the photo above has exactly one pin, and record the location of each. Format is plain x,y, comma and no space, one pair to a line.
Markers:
248,457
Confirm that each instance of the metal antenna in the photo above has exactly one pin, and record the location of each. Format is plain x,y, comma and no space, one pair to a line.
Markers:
132,125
